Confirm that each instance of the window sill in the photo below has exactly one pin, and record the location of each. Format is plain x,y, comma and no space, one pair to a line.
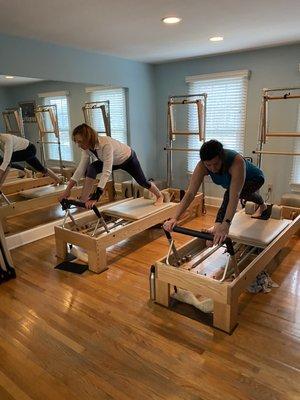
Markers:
295,187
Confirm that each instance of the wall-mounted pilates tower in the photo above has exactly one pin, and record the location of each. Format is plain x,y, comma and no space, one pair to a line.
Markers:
97,115
13,121
284,94
194,103
47,122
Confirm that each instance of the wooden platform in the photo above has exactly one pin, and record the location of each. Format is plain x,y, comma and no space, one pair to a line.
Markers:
82,337
21,205
96,246
20,184
225,295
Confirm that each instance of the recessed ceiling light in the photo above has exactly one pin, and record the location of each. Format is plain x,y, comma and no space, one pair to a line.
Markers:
9,77
171,20
216,39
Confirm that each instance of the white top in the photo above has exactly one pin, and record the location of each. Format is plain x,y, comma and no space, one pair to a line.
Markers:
8,144
110,152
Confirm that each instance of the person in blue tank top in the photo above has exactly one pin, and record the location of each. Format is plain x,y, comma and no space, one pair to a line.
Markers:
228,169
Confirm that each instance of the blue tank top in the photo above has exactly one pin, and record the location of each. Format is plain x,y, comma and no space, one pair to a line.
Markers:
223,178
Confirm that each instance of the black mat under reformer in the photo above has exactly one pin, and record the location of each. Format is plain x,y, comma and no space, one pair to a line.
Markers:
70,265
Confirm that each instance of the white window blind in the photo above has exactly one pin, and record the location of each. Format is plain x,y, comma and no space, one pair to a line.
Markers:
62,107
117,109
295,176
225,111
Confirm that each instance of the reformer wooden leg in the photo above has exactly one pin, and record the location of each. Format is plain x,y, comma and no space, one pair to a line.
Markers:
97,260
162,293
225,316
61,247
4,224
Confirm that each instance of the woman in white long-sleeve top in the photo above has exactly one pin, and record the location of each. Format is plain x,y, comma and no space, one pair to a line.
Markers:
111,155
17,149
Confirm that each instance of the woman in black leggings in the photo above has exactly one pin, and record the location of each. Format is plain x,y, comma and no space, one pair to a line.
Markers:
111,155
17,149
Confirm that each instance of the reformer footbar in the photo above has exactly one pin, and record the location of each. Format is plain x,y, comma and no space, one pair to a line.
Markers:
206,236
66,205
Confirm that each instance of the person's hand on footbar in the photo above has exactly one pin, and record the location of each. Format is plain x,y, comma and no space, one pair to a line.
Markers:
94,197
220,233
169,224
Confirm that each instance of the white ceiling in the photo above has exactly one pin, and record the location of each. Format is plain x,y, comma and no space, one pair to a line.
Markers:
17,80
133,28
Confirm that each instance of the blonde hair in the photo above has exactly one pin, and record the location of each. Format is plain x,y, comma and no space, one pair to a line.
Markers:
87,133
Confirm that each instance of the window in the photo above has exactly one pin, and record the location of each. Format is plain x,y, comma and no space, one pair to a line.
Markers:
117,109
62,108
225,110
295,176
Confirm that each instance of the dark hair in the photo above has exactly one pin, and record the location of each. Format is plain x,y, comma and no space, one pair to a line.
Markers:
211,149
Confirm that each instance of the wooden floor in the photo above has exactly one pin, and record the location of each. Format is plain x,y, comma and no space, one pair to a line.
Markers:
89,337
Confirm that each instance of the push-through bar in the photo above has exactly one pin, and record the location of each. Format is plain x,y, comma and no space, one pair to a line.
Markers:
203,235
67,203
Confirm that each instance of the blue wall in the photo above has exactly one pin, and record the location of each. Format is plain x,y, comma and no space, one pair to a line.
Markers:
4,103
273,67
30,58
149,87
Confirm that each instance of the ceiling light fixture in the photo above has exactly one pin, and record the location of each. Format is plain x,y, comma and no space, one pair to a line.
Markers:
171,20
216,39
9,77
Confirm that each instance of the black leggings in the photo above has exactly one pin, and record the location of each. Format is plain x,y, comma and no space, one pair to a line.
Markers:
29,155
248,193
131,165
14,165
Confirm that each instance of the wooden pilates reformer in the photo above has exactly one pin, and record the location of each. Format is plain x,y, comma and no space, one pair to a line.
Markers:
17,185
118,221
42,197
218,275
13,122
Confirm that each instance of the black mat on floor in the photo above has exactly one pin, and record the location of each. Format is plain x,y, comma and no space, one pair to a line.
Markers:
70,265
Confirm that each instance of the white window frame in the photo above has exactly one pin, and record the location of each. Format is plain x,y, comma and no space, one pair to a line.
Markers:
244,74
92,91
59,94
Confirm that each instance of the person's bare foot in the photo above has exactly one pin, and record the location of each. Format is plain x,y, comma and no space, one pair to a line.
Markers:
159,200
259,211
